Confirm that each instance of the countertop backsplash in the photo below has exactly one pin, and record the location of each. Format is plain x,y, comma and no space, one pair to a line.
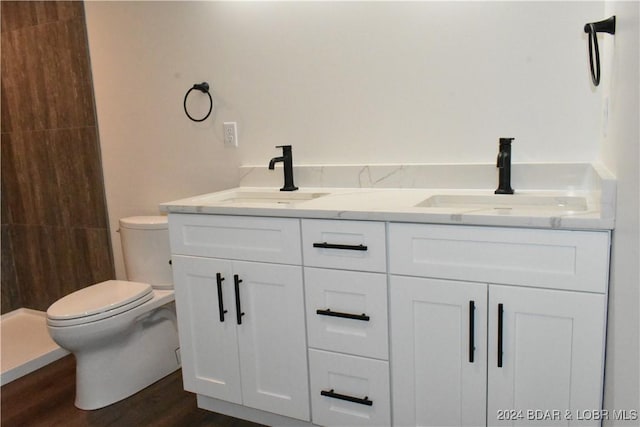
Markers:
525,176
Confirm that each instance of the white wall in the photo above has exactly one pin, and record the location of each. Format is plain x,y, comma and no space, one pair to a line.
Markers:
620,140
405,82
144,56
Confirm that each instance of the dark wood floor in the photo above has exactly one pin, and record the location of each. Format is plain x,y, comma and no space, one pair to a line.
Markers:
45,398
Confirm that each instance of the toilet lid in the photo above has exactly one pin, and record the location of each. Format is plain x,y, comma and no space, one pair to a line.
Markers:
100,298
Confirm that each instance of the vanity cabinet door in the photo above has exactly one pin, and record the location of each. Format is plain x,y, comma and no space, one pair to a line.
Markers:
255,356
552,355
208,343
438,352
271,338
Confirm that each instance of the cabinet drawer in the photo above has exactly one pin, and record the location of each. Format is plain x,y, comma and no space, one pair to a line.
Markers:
351,245
274,240
560,259
347,311
349,390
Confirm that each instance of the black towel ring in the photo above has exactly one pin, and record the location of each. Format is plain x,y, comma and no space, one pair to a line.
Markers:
204,88
592,29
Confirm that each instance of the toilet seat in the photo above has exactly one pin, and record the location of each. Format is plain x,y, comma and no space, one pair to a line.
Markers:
98,302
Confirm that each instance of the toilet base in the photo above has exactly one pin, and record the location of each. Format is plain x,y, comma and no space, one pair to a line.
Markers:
134,359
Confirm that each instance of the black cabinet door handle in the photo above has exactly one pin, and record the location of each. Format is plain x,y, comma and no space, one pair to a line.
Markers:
500,320
221,309
332,394
328,312
472,338
239,313
326,245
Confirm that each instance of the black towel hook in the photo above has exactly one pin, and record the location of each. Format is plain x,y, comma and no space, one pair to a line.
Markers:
204,88
592,29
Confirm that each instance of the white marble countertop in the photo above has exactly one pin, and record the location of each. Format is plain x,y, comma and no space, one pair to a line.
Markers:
594,212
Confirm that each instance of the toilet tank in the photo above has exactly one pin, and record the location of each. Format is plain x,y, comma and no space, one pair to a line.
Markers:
145,249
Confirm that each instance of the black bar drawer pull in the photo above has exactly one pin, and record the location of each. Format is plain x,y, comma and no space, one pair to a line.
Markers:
239,313
500,320
328,312
472,338
326,245
334,395
221,309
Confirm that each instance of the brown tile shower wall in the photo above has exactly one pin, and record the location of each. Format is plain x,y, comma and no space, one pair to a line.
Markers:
55,236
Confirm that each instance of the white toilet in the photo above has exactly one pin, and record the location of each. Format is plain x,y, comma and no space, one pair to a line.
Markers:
123,334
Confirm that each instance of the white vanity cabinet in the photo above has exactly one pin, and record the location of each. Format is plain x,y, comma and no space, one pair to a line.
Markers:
347,324
240,305
371,323
499,326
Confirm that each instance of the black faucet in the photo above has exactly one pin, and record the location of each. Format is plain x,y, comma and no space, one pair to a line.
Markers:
504,167
287,161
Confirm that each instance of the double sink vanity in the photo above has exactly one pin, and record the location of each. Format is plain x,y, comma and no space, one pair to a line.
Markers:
378,296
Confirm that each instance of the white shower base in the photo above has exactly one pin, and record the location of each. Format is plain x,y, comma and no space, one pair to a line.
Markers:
25,344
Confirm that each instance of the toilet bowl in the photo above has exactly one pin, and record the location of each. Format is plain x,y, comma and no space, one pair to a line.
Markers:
123,334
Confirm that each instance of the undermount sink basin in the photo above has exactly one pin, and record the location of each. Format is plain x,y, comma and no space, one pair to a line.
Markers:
240,196
495,201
